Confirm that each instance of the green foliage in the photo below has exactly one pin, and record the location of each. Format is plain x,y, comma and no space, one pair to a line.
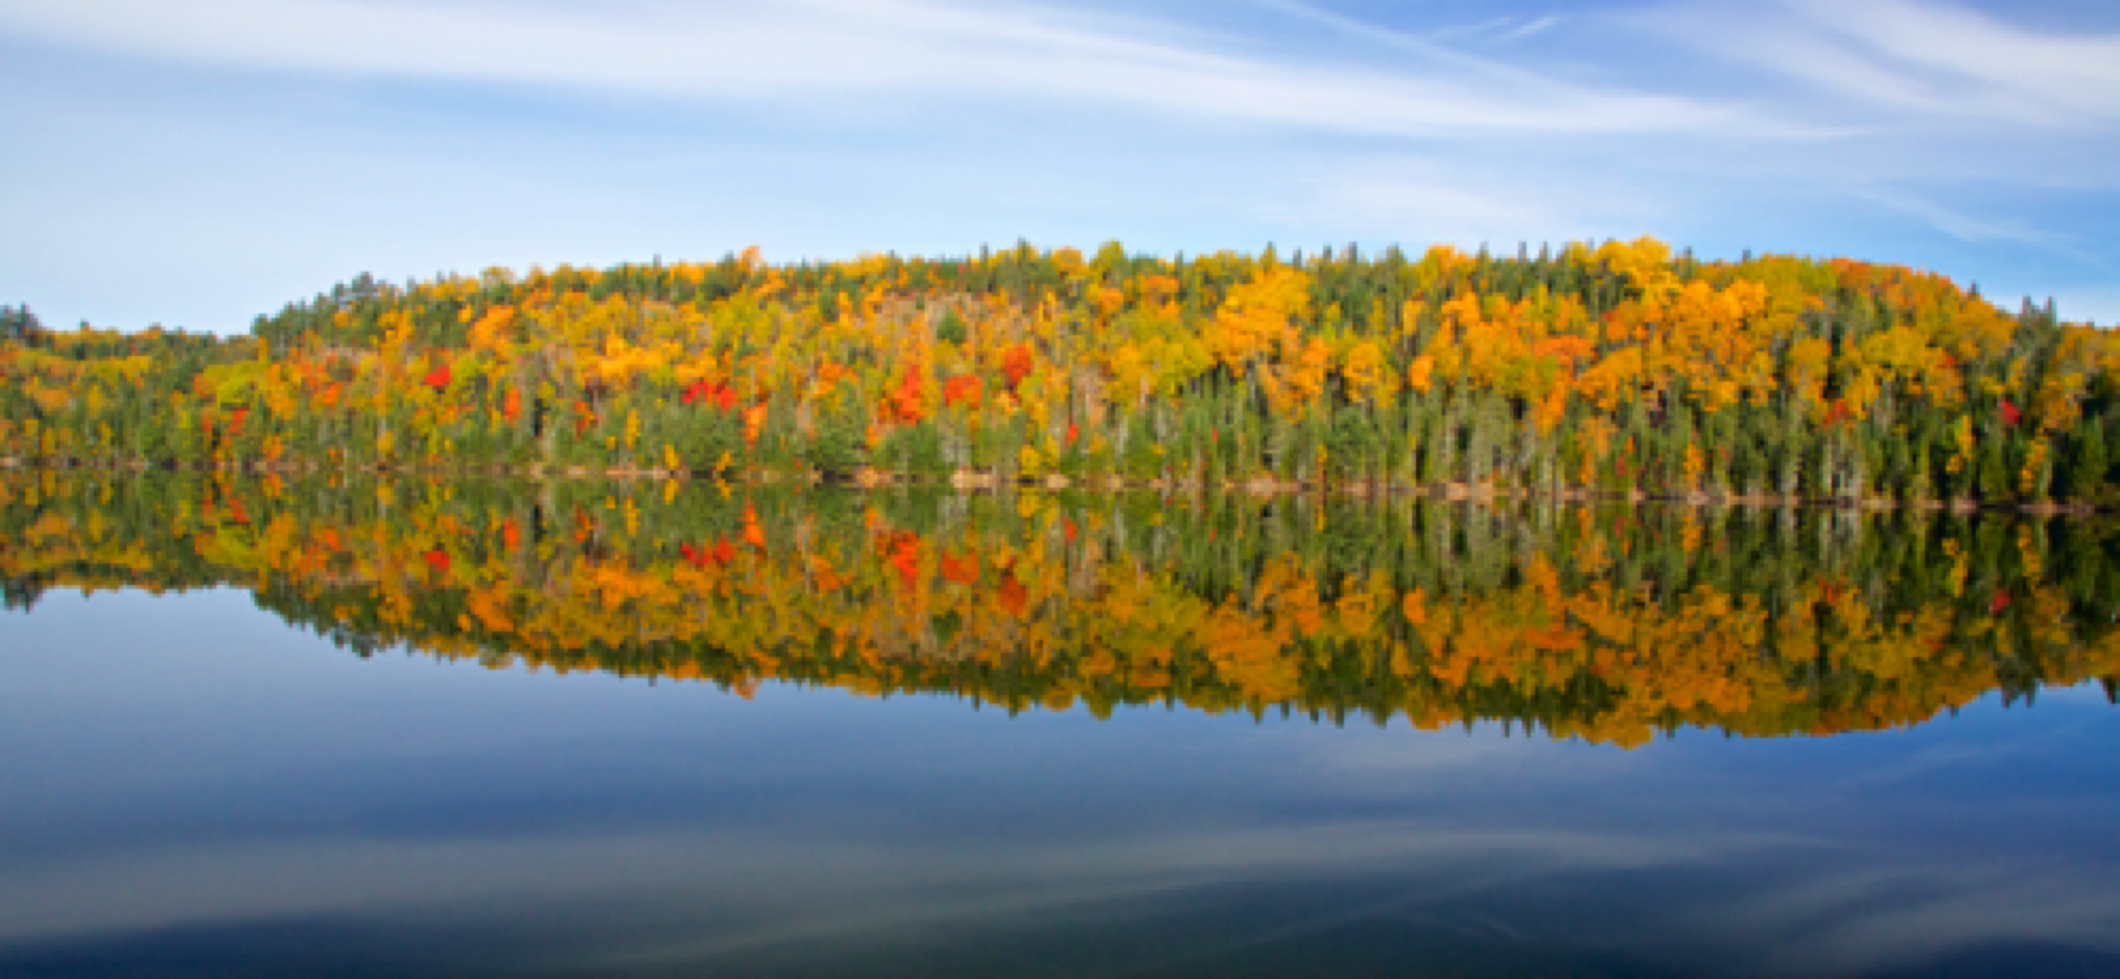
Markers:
1616,368
1610,623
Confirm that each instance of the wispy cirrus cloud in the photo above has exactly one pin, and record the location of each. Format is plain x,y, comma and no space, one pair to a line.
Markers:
1930,57
1954,134
1500,28
1973,229
788,52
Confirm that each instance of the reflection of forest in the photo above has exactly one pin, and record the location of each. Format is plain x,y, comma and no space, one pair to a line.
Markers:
1607,624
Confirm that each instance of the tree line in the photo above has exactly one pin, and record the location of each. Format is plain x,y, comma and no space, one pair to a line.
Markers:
1621,368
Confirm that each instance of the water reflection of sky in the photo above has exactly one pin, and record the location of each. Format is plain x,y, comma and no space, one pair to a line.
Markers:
192,787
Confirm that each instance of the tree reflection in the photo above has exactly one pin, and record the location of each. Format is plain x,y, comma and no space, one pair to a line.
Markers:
1604,624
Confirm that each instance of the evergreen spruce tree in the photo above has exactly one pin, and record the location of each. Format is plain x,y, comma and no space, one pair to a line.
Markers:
2087,471
1997,482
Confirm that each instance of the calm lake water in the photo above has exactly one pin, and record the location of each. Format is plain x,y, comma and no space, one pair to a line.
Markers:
262,727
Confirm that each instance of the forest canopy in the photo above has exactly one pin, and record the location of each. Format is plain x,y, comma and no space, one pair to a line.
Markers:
1613,368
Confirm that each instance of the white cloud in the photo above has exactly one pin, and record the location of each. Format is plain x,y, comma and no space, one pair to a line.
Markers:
1536,25
1429,46
1903,130
1928,58
2054,77
789,52
1970,228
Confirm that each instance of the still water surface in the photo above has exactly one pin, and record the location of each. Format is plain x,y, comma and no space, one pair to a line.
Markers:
419,728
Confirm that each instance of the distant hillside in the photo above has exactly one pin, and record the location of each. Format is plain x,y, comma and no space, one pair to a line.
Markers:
1620,368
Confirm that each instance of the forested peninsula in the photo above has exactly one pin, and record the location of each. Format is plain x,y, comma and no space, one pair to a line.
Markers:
1617,369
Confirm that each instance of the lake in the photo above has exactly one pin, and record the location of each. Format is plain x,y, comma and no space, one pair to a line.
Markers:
342,727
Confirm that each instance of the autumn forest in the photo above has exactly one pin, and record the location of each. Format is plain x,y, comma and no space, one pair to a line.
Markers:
1612,623
358,460
1614,370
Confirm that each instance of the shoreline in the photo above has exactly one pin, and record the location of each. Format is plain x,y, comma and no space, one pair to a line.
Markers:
989,481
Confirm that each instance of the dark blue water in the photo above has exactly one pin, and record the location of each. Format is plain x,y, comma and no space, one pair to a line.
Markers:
190,787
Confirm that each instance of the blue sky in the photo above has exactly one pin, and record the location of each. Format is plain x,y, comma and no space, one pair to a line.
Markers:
195,164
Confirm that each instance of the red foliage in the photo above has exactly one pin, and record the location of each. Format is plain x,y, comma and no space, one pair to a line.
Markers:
753,533
703,556
907,560
964,389
438,559
1014,598
2010,414
438,378
1017,364
721,396
961,570
909,402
